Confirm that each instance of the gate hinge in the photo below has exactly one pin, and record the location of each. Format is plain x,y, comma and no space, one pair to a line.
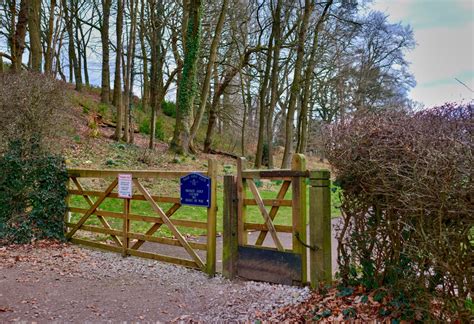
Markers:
314,248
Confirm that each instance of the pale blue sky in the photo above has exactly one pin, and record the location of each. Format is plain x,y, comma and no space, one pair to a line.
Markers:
444,32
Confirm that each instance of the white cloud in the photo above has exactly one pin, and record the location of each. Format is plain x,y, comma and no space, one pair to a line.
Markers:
437,95
445,47
442,53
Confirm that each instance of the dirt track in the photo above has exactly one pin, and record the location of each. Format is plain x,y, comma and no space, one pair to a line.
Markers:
61,282
70,284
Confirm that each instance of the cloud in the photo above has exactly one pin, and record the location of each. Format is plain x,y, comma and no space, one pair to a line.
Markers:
436,13
444,32
437,95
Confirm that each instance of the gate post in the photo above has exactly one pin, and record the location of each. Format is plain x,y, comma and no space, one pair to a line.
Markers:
212,219
230,238
67,214
298,163
241,194
320,228
126,226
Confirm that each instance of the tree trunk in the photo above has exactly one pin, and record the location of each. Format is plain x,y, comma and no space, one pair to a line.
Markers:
230,74
247,102
128,71
274,79
262,106
177,58
72,52
207,78
18,39
157,62
48,57
34,27
303,118
82,47
186,91
296,84
104,37
146,84
117,99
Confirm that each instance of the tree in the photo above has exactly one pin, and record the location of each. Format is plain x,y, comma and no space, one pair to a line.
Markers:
117,99
49,55
18,37
128,71
296,84
34,28
104,36
306,94
69,20
207,78
187,86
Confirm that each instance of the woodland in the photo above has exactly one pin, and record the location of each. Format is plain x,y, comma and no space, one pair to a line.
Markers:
271,73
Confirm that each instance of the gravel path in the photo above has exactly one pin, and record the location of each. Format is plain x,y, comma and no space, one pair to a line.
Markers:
68,283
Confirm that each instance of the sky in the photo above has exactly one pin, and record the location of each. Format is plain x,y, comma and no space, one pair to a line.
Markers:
444,33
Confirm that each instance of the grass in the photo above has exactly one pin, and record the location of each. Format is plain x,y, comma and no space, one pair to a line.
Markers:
283,216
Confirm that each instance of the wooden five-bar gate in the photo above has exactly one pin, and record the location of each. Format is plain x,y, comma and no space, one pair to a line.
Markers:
295,251
118,225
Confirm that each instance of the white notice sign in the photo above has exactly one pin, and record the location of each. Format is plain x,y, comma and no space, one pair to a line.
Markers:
125,185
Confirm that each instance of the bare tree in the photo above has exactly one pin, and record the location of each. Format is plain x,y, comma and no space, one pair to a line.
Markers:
34,28
296,84
207,79
19,34
117,99
104,35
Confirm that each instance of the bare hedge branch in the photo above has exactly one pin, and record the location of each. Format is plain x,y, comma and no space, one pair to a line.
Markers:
32,107
408,202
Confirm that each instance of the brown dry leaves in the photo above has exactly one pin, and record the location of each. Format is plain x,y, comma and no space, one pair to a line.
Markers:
44,255
329,308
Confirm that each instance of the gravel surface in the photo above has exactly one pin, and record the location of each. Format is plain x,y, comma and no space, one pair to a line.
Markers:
64,282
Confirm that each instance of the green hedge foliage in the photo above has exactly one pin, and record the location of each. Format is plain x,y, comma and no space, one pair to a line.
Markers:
32,194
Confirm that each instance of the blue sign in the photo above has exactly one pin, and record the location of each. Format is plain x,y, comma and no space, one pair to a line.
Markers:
195,190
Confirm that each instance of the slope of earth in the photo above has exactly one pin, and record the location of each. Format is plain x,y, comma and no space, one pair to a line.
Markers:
50,281
87,141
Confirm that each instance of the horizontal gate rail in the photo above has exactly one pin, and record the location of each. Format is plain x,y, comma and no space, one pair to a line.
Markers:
143,174
143,218
127,241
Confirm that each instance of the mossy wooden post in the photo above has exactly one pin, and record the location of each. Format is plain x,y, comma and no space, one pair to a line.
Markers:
230,238
320,228
299,212
241,193
212,219
67,214
126,226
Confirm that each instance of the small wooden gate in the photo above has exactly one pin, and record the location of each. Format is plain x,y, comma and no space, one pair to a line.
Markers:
279,253
118,226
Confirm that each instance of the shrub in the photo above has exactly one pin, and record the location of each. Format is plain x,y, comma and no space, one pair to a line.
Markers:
32,178
32,194
144,127
102,109
32,108
407,205
169,108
